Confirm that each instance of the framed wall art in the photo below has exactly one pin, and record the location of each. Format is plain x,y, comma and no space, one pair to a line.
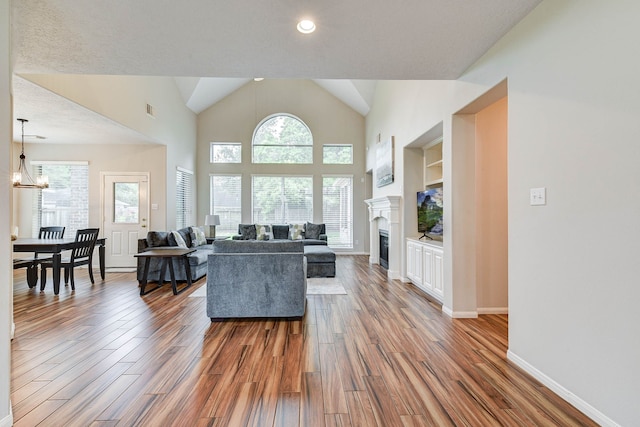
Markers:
384,162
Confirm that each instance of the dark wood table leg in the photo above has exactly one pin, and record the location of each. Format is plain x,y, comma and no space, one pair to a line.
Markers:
56,273
145,275
187,269
101,251
173,276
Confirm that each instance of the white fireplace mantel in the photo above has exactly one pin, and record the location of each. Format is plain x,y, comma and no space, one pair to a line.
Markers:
384,214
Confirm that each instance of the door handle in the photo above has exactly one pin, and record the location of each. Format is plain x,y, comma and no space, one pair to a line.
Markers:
143,226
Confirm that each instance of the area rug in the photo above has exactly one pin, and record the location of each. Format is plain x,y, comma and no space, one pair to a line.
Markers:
200,292
325,286
315,286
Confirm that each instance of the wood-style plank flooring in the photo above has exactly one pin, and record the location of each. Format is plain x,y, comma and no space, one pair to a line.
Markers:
383,355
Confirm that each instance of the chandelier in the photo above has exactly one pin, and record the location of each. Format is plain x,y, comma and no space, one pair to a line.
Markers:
22,178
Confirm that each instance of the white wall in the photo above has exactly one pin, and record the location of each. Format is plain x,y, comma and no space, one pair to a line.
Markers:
6,272
331,122
102,158
123,99
573,128
491,208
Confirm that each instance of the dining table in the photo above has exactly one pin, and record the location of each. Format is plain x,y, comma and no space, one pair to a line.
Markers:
55,247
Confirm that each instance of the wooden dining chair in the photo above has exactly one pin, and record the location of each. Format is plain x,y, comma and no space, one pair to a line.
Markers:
31,264
81,254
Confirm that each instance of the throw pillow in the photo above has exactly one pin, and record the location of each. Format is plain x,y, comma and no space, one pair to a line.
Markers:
296,231
178,238
263,232
157,238
313,231
280,232
247,231
198,237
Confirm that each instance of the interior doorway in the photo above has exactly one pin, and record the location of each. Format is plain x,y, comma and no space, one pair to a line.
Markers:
479,165
125,208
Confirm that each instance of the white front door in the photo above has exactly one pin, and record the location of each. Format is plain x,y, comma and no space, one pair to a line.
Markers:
125,215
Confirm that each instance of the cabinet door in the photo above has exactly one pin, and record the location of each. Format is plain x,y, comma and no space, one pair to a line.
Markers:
414,263
438,267
427,268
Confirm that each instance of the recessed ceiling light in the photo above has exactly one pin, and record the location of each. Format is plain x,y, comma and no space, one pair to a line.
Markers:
258,79
306,26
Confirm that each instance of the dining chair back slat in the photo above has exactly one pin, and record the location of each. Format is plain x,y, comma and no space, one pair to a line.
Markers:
53,232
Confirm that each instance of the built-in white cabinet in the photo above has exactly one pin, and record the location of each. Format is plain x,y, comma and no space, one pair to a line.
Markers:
415,268
425,266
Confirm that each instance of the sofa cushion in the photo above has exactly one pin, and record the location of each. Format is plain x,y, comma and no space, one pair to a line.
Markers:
247,231
296,231
256,246
313,231
280,232
198,237
157,238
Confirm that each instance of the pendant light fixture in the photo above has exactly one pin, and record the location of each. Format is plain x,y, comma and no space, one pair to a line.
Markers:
22,178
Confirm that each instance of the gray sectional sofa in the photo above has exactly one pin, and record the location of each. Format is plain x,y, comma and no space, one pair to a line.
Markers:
254,278
164,240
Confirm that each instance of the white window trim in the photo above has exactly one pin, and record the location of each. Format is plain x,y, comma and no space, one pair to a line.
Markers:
255,130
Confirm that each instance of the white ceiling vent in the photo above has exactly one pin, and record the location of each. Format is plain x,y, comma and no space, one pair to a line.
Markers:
150,112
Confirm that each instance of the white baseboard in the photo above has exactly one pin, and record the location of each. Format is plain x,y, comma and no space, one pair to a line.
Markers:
13,329
493,310
8,420
459,314
561,391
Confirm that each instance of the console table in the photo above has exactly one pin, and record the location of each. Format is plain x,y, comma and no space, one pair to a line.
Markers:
167,255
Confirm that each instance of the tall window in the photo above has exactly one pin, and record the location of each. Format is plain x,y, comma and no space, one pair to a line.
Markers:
282,199
337,210
282,138
226,198
66,201
337,154
226,152
184,198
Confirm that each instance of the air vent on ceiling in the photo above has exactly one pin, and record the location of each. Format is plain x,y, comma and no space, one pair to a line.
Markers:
150,112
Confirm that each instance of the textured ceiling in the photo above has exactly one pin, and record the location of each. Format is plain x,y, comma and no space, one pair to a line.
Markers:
201,41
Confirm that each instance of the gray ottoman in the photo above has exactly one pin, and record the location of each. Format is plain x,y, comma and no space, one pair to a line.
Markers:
321,261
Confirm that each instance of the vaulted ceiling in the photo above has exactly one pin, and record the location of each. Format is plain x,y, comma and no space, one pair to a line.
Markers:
212,47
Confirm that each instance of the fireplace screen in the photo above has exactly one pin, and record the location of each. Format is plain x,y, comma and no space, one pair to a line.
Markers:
384,249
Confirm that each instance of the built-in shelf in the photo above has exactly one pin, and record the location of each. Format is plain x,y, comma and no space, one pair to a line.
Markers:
433,182
433,163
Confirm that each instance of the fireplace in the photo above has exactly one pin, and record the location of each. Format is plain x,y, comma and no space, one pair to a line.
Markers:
384,216
384,248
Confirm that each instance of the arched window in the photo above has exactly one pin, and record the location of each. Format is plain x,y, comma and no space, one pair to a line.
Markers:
282,138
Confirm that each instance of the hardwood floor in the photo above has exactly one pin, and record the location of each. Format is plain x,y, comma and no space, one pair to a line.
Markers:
383,355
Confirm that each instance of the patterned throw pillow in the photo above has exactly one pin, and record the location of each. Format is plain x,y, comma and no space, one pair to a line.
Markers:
198,237
313,231
263,232
296,231
247,231
178,238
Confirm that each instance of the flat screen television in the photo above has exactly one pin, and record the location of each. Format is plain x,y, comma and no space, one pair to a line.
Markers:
430,212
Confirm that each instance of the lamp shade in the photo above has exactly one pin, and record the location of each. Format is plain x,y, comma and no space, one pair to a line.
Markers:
212,220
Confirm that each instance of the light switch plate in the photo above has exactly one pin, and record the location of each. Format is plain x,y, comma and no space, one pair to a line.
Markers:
538,196
154,206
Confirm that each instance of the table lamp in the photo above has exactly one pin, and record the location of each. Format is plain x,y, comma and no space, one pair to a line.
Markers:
212,221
